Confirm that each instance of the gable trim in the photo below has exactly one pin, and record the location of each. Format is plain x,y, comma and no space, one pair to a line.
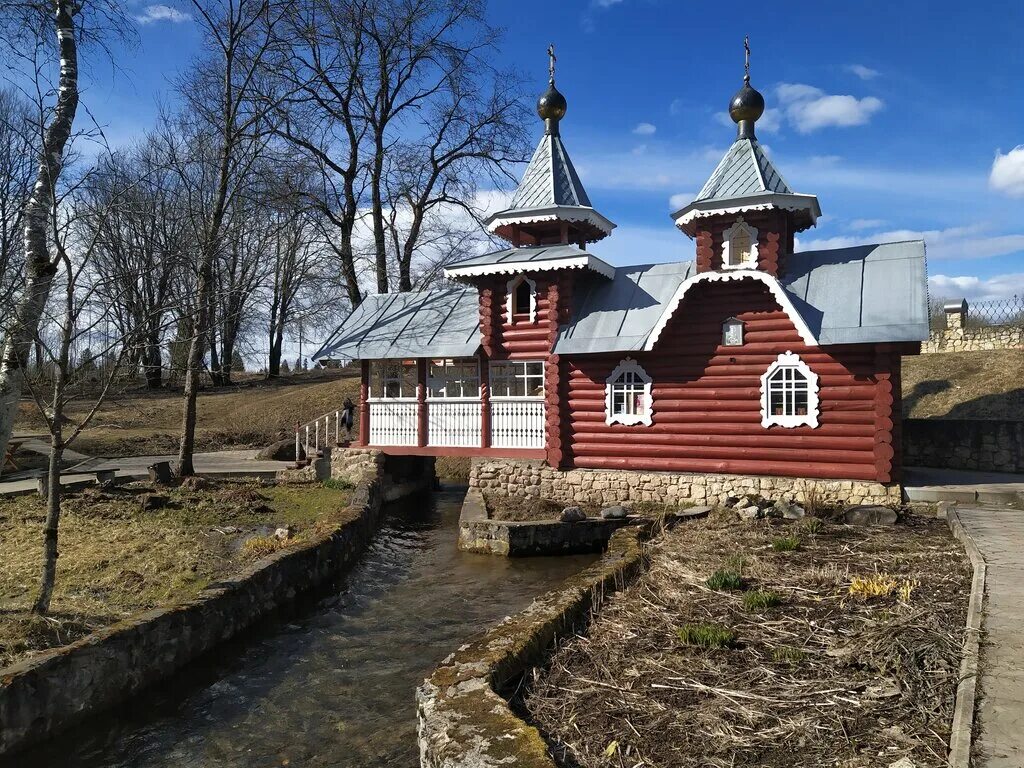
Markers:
773,285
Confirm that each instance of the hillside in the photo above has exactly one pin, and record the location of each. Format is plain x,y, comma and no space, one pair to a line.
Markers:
253,413
965,385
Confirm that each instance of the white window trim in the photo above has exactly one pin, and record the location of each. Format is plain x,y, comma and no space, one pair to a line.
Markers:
750,263
511,287
524,363
743,331
810,419
647,417
445,398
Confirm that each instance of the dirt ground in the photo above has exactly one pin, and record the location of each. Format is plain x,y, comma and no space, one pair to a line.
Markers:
773,643
965,385
252,414
116,559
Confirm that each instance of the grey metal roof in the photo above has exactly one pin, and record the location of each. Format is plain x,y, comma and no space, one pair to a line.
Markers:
745,170
550,179
618,315
863,294
534,256
440,323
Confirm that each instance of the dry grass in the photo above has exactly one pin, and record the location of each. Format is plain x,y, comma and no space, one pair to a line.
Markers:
116,560
251,414
964,385
675,673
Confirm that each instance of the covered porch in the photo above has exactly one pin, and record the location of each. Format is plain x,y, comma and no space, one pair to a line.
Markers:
453,406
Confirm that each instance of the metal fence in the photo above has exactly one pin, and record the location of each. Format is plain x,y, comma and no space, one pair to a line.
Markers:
993,313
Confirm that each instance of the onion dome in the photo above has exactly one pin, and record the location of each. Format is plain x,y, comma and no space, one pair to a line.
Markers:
551,107
744,109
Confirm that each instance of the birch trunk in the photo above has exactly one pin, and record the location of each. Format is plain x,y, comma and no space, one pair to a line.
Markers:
39,267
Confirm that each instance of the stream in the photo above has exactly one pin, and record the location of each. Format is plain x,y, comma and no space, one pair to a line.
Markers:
333,683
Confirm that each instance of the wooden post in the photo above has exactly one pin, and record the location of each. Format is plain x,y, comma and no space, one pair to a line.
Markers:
364,407
485,402
421,402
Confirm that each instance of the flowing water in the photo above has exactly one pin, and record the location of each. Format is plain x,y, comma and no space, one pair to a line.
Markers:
333,684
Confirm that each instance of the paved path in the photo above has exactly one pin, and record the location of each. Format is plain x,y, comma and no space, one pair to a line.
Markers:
238,463
965,487
999,534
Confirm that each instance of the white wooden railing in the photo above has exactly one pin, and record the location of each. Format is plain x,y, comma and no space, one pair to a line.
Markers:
517,423
455,423
318,433
393,422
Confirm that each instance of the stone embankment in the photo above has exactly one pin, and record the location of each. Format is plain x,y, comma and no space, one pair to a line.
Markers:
49,692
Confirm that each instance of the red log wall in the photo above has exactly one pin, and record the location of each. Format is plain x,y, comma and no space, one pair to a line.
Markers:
707,399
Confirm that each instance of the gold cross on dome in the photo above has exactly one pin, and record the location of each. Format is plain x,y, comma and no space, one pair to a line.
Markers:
551,62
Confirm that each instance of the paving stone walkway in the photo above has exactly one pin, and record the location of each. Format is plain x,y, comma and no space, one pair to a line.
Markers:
999,535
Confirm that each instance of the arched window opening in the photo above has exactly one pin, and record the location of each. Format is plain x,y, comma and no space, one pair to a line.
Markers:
789,393
522,299
739,246
628,395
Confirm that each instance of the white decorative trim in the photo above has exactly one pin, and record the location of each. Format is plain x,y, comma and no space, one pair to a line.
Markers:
629,365
684,217
770,282
510,301
584,261
727,236
552,213
809,419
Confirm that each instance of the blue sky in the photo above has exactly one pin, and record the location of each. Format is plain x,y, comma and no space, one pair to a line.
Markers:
902,117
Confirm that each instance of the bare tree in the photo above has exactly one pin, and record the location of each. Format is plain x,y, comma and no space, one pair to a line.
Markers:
35,24
224,114
17,133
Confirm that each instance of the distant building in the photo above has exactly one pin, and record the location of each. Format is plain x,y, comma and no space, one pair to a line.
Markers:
749,359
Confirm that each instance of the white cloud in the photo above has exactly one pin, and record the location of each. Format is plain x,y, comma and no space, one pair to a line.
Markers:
605,3
809,108
858,224
769,122
974,288
155,13
864,73
676,107
680,200
645,129
971,242
1007,173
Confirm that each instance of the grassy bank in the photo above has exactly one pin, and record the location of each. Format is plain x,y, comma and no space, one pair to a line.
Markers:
771,644
964,385
117,559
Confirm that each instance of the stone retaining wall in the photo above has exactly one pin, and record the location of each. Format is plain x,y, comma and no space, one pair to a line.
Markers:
49,692
984,445
974,340
524,478
464,721
514,538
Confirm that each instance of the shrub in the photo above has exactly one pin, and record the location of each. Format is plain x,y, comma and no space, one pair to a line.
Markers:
725,581
812,525
337,484
761,599
260,546
787,653
786,543
705,635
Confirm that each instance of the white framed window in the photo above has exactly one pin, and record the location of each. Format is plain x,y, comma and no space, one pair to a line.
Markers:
732,333
739,246
627,395
393,379
451,378
789,393
515,378
522,299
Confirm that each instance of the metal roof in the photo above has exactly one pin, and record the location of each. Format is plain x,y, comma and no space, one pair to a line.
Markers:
550,179
863,294
439,323
514,260
745,170
618,315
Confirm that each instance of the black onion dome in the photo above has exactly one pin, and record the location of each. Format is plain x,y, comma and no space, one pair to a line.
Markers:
747,104
551,105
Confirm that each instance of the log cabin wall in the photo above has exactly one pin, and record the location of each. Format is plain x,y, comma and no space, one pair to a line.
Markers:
707,399
774,240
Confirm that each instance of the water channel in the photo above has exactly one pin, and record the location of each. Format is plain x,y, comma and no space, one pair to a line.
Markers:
333,684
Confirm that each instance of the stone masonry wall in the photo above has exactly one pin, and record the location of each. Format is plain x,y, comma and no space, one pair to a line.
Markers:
988,446
974,340
525,478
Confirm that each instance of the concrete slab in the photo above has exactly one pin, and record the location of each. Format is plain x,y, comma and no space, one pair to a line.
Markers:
932,485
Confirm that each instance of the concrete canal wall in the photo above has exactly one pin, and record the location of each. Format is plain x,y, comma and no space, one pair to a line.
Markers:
49,692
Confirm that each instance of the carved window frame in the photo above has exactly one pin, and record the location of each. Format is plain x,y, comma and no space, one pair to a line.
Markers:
788,361
739,226
510,303
629,369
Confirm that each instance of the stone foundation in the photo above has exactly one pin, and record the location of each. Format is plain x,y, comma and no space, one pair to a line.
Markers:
979,444
523,478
